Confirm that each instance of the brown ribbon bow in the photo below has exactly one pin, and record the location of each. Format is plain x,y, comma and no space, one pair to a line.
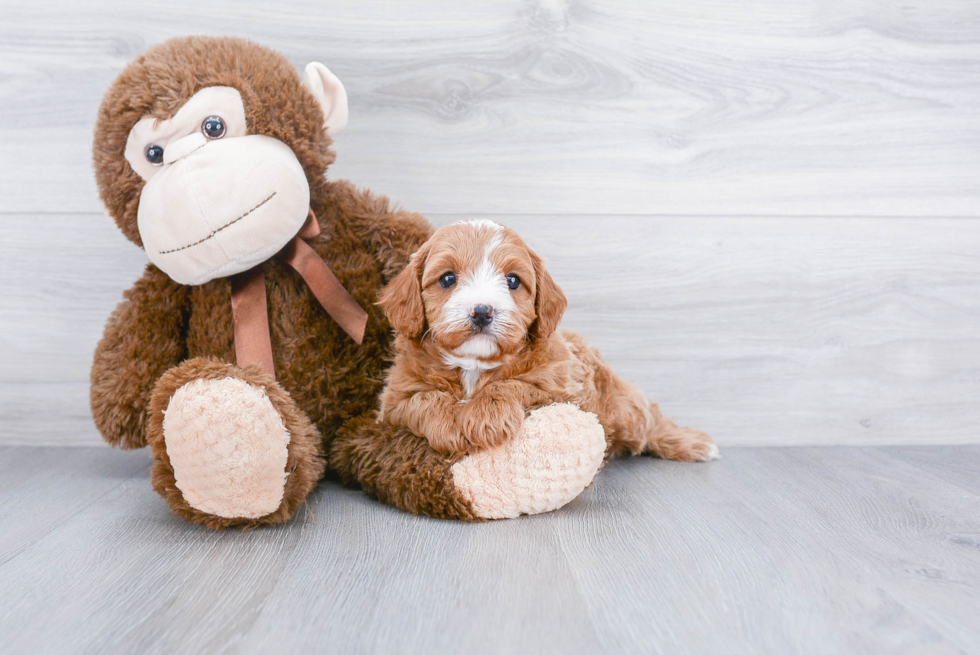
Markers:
253,345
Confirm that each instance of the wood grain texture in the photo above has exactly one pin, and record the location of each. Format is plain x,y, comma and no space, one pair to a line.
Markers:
817,550
765,214
864,107
760,331
41,489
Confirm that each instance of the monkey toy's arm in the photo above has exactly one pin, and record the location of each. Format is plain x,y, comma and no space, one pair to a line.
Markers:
142,339
392,234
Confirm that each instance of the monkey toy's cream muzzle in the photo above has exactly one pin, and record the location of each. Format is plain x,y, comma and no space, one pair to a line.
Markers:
220,207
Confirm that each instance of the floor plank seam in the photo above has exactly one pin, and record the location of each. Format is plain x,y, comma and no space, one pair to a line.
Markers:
73,517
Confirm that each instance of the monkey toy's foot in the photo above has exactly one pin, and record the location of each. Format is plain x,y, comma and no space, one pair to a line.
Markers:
552,460
231,447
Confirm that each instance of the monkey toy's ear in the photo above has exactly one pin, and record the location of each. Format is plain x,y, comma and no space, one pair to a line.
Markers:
330,93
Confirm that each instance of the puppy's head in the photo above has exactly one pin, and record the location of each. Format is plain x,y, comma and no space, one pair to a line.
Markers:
476,290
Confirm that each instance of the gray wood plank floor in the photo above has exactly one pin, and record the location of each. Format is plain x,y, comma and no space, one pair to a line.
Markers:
815,550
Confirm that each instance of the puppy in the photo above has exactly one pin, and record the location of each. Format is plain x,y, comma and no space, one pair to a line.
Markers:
475,314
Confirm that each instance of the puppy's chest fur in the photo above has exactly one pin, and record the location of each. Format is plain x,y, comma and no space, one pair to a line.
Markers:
560,367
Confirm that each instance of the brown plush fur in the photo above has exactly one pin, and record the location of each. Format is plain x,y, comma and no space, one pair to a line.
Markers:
321,372
533,366
159,81
398,468
304,462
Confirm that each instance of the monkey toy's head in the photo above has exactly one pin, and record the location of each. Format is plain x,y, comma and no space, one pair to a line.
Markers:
206,151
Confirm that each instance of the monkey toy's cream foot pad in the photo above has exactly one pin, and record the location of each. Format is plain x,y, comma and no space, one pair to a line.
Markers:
552,460
228,447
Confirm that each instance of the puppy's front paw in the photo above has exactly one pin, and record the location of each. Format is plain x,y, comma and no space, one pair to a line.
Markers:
445,440
488,421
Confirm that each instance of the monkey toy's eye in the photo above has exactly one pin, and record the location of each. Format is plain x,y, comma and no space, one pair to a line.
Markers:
213,127
513,281
447,280
154,154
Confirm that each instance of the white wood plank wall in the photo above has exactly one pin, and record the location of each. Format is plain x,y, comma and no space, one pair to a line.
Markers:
765,213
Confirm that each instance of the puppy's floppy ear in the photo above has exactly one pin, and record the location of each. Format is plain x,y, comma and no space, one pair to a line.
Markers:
402,298
549,302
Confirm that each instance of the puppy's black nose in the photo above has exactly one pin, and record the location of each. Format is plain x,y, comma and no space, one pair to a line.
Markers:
482,315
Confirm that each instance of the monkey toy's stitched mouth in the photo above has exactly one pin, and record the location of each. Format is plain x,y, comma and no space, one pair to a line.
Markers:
215,231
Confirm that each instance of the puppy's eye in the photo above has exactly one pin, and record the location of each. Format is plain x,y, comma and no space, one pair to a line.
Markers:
513,281
213,127
154,154
447,280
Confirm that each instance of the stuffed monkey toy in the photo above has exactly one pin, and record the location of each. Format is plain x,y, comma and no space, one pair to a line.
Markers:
250,354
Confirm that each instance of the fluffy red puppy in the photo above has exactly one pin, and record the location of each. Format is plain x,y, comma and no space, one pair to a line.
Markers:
476,314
